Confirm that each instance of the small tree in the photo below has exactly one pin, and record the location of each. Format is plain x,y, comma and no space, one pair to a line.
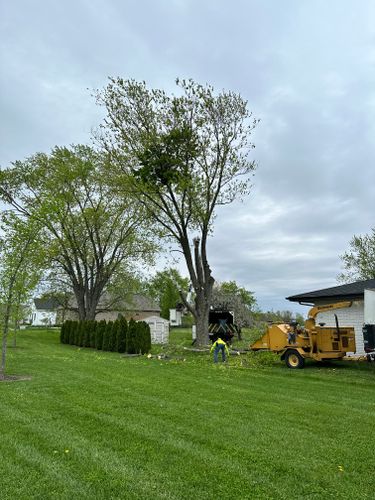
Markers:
359,260
21,260
87,332
99,334
114,336
63,333
92,336
122,333
132,347
107,336
144,334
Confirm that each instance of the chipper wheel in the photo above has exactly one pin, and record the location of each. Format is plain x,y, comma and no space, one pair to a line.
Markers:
293,359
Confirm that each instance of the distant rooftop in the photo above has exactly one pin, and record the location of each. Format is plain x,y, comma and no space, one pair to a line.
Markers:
135,302
352,291
50,304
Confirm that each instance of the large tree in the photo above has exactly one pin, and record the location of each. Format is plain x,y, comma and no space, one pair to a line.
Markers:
359,260
91,233
184,155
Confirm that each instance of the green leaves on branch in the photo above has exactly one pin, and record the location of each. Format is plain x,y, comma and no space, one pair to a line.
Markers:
359,260
165,287
165,159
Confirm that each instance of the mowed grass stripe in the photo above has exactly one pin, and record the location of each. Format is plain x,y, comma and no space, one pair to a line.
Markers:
138,428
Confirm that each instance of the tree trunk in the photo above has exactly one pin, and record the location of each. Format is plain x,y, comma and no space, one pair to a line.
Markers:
202,281
15,335
87,303
92,301
4,343
201,319
16,321
80,298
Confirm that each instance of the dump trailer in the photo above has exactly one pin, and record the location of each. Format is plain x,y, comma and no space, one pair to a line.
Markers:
221,324
296,343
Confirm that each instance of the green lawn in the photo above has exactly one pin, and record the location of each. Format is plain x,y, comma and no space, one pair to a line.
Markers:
100,426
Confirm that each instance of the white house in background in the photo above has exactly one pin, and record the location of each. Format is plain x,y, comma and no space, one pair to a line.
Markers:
159,328
175,317
43,312
360,294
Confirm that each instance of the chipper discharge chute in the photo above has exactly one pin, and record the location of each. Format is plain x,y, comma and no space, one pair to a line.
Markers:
295,343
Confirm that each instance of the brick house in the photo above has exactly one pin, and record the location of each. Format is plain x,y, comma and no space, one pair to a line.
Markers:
360,293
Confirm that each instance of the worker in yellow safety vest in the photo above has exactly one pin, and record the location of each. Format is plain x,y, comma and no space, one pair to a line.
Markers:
218,346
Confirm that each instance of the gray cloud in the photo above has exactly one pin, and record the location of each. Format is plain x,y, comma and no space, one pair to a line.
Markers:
306,68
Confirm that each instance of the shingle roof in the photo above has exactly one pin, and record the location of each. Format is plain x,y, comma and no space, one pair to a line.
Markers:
136,302
46,304
348,291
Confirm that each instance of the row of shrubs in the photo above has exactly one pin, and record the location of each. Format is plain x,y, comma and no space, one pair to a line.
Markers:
132,337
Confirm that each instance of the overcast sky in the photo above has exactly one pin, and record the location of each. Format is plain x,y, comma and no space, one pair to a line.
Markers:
307,69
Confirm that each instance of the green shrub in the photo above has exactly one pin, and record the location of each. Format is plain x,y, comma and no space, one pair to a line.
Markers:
75,335
69,329
145,336
107,335
99,333
72,332
88,332
122,333
63,333
131,345
92,333
113,336
80,333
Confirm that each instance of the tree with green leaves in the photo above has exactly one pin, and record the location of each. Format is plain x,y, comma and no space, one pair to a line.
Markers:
91,232
21,261
165,287
183,155
359,261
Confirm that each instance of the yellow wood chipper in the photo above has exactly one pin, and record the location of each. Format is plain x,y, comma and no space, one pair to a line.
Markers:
318,342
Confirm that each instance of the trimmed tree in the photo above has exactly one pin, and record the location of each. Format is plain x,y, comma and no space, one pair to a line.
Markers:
132,344
183,156
99,334
122,335
107,336
145,335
